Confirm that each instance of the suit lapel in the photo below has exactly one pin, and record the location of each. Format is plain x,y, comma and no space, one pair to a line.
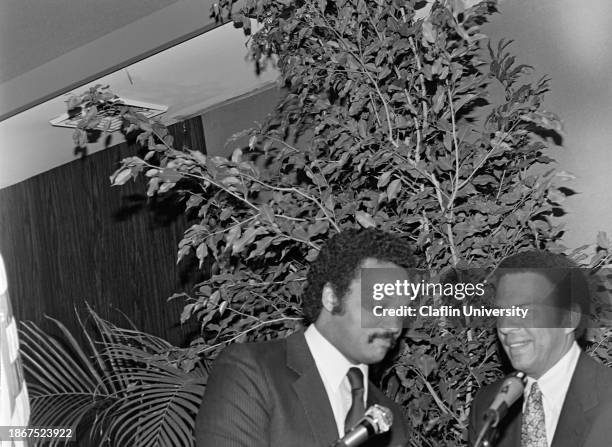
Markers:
581,397
311,391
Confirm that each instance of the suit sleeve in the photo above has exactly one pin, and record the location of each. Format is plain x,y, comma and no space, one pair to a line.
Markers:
234,411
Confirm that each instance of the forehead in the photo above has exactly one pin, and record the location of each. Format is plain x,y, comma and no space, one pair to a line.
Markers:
524,288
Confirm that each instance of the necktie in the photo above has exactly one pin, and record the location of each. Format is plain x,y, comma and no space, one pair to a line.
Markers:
533,429
355,413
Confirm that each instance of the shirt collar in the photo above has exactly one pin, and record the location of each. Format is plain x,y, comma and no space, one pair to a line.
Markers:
555,382
331,363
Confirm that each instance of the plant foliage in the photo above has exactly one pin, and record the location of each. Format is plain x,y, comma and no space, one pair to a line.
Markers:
397,114
127,388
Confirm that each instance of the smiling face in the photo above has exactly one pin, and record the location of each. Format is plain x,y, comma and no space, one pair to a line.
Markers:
534,345
360,341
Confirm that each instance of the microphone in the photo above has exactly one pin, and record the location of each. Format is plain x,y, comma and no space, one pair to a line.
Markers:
377,419
510,391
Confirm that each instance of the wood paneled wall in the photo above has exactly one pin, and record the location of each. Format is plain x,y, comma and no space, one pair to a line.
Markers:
68,237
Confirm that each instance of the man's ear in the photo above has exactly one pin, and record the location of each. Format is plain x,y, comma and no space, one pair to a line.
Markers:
574,316
328,298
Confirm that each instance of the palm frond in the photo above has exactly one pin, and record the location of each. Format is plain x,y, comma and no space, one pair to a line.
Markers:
64,386
128,385
160,403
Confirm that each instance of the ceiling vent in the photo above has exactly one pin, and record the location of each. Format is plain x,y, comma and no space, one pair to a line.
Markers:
111,114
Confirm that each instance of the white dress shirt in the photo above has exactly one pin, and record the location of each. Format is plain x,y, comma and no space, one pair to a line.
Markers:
333,366
554,385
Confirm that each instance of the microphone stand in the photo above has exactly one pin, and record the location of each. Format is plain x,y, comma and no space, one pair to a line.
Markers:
492,417
487,430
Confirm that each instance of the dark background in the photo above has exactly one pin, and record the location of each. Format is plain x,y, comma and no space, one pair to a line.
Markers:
68,238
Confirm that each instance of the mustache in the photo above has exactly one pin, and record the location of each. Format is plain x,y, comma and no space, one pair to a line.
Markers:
390,336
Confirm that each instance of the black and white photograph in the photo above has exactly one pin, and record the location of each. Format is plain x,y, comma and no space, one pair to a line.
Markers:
305,223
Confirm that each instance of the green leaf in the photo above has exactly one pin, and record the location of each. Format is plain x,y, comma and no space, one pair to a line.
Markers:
394,188
319,227
266,213
312,255
230,180
429,33
170,175
165,187
364,219
186,313
194,201
383,179
201,253
199,157
247,237
232,235
121,177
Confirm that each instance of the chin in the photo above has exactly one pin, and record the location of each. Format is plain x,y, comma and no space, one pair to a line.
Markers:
368,358
376,357
519,361
522,365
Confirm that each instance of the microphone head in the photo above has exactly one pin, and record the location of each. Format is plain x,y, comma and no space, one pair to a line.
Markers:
380,417
510,391
513,387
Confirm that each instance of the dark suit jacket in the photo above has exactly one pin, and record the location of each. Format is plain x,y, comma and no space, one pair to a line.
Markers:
270,394
586,415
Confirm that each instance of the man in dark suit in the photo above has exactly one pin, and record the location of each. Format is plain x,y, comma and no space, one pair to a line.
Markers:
308,389
567,401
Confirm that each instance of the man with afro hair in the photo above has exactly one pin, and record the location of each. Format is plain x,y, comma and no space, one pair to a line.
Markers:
309,389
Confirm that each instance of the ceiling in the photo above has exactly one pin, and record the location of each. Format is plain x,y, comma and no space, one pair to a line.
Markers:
52,46
164,58
48,29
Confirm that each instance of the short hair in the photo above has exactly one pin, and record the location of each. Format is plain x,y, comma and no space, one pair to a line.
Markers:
338,262
571,285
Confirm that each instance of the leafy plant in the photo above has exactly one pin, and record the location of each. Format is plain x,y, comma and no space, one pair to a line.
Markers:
395,116
127,388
